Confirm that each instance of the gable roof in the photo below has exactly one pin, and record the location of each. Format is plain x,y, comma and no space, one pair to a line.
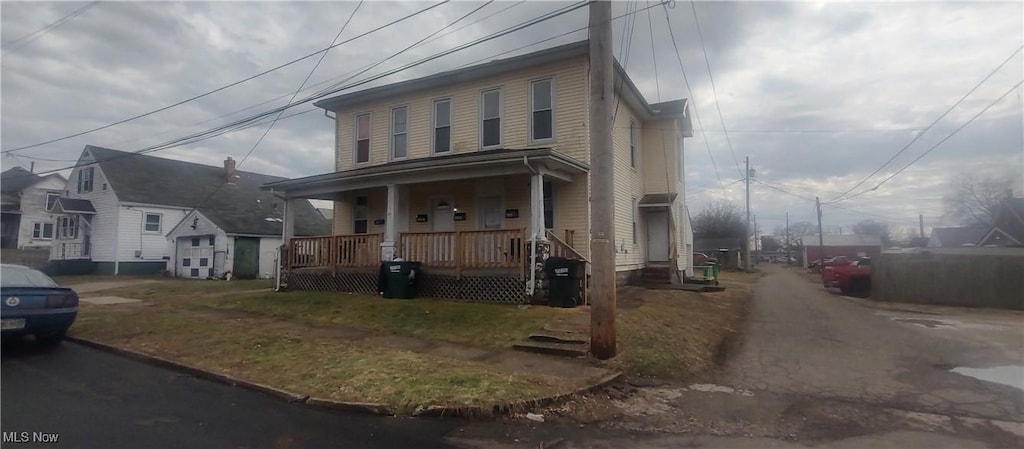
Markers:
72,205
451,77
16,179
959,236
239,208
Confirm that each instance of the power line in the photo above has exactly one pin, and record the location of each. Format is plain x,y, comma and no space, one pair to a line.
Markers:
654,53
782,190
944,114
714,91
686,81
31,37
230,126
629,24
933,147
225,86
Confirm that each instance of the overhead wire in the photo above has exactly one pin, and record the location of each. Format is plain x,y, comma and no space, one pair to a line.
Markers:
714,91
31,37
932,124
654,52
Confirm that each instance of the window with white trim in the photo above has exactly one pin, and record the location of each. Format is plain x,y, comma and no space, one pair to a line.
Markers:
542,117
51,199
68,227
442,126
152,223
362,137
42,231
399,132
85,179
632,144
360,216
490,116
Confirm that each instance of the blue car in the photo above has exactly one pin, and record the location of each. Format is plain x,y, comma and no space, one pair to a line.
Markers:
32,303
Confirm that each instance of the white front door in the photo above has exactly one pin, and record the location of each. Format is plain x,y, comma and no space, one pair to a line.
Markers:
657,236
442,214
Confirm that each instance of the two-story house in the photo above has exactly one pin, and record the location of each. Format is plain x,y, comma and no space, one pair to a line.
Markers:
465,171
128,213
24,213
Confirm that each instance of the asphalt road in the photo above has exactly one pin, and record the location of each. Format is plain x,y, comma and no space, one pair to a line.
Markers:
92,399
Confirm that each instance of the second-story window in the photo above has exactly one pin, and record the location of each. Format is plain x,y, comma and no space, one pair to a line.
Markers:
491,118
399,132
542,112
362,138
51,199
632,144
85,179
442,126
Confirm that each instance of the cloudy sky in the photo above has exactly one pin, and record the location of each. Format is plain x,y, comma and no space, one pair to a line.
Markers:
818,95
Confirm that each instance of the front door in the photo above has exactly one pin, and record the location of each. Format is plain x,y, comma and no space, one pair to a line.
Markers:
657,236
443,214
247,258
490,212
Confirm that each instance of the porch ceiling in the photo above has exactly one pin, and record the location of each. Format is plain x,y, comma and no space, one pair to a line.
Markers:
439,168
657,200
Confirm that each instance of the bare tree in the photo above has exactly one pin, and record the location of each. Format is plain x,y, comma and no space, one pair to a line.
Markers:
720,219
873,228
974,199
797,232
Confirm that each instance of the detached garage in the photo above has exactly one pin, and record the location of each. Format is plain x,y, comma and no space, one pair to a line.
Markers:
243,241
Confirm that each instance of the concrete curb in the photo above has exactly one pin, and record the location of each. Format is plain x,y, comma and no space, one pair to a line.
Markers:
469,411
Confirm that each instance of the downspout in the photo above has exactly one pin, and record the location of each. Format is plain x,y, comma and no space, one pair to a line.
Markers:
277,270
117,237
532,285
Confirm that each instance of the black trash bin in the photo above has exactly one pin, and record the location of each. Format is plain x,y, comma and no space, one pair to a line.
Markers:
399,279
564,281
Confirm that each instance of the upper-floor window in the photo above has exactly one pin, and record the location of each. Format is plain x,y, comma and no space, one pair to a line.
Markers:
442,126
491,118
51,199
632,144
362,146
85,179
542,118
399,132
152,223
360,216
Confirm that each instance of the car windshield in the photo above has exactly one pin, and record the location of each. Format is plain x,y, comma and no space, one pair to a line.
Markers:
24,277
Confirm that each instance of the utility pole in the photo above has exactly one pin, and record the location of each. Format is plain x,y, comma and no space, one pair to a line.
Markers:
757,240
787,238
821,235
920,220
746,230
602,207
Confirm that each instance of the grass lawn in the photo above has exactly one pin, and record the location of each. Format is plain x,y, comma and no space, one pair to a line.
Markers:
72,280
178,290
308,362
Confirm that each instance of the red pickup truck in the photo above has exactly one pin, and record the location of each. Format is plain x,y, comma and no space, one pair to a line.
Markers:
850,276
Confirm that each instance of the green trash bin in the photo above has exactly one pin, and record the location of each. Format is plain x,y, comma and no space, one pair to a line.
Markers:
564,281
400,279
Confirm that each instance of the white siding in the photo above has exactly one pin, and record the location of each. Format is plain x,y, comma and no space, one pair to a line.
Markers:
183,234
137,245
629,184
104,200
33,210
268,256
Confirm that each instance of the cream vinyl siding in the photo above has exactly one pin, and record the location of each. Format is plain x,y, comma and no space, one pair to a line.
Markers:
659,156
569,79
629,184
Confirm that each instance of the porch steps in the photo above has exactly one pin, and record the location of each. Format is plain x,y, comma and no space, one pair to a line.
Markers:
656,274
551,348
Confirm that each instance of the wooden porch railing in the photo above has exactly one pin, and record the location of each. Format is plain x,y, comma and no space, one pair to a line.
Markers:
356,250
465,250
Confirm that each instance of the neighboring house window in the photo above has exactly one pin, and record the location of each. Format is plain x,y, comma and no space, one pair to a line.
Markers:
632,144
442,126
362,138
632,213
195,242
85,179
542,118
42,231
68,227
491,118
51,199
399,132
359,214
152,223
549,206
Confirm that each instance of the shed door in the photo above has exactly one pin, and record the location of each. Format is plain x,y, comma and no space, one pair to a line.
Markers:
657,236
247,258
195,257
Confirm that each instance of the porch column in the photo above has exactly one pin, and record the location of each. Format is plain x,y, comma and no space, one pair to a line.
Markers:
537,207
288,231
387,247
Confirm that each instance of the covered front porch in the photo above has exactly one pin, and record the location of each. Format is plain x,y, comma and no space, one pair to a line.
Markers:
471,220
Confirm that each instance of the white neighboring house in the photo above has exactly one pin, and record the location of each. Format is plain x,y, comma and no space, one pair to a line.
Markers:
119,207
26,199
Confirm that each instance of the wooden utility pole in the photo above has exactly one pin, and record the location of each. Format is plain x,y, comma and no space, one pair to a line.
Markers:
821,235
746,230
788,256
920,218
602,206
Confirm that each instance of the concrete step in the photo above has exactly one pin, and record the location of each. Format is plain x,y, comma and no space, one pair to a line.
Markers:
559,349
576,338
